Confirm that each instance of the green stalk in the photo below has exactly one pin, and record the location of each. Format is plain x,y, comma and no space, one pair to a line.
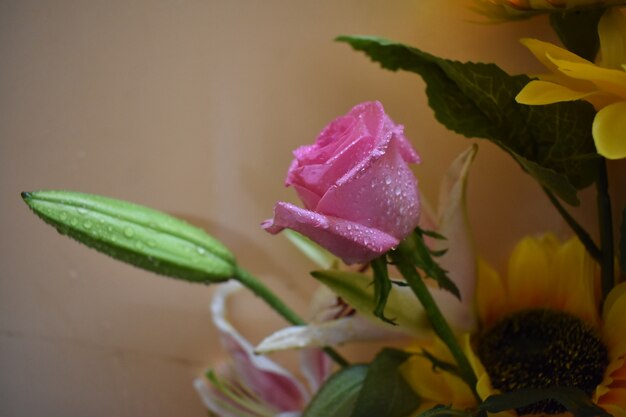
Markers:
605,220
582,234
263,292
439,324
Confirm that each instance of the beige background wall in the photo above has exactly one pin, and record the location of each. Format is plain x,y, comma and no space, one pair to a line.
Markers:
193,107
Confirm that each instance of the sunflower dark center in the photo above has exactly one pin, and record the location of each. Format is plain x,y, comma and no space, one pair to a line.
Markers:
541,348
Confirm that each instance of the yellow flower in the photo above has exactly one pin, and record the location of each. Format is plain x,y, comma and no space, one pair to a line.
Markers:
498,10
540,327
602,84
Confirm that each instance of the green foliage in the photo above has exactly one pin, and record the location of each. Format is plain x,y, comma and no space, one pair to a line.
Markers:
552,143
337,397
578,30
385,392
134,234
423,258
382,288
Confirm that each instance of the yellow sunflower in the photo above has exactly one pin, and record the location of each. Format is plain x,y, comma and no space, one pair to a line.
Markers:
539,327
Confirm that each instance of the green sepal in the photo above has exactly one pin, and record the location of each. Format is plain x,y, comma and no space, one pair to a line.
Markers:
573,399
382,288
338,396
439,364
552,143
134,234
578,30
421,256
385,392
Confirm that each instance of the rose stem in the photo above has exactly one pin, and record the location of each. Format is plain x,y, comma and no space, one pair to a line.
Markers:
263,292
605,221
438,322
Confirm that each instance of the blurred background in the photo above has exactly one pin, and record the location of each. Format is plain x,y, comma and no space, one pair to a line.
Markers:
193,107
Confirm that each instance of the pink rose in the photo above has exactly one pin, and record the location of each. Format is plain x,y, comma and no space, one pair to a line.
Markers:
359,194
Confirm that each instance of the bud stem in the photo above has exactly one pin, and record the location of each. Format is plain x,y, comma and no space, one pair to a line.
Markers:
263,292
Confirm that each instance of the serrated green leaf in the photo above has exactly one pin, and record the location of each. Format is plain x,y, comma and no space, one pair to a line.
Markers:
385,392
573,399
552,143
337,397
382,288
135,234
422,258
578,30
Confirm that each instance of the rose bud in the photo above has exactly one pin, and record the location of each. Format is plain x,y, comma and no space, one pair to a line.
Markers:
359,194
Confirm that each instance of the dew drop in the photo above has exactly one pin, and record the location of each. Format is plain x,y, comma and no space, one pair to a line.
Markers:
63,216
81,210
397,191
87,224
128,232
151,243
201,251
388,180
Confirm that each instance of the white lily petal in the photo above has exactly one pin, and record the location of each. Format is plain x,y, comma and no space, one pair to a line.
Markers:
335,332
273,383
460,258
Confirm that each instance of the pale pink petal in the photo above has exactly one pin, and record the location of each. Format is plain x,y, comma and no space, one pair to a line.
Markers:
351,241
272,383
460,258
315,366
382,195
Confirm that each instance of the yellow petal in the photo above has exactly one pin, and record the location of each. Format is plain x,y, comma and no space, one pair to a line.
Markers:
609,80
576,292
609,131
612,31
541,50
544,92
531,277
490,295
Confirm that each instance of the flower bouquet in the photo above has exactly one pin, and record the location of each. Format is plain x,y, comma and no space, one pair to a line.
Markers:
545,337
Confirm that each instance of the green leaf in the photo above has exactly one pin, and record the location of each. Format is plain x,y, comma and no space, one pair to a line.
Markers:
135,234
422,258
573,399
385,392
578,30
382,288
337,397
320,256
552,143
